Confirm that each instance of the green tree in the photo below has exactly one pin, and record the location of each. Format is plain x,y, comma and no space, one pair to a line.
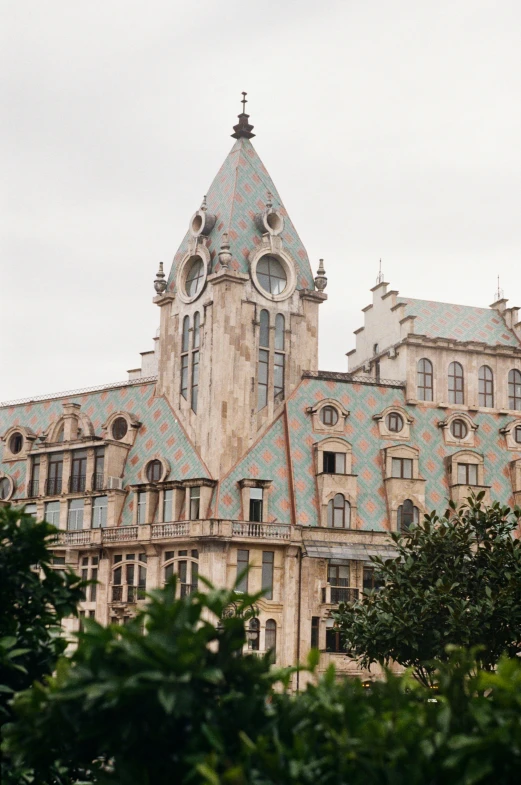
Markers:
34,598
456,580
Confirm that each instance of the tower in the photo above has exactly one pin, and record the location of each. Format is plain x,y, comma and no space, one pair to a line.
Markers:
239,314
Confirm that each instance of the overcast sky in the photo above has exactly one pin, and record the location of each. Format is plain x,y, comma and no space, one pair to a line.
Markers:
392,129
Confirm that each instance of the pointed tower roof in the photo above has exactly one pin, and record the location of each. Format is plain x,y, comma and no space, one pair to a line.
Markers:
238,193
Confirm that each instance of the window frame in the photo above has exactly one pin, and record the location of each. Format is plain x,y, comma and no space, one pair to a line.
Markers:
456,383
425,380
514,389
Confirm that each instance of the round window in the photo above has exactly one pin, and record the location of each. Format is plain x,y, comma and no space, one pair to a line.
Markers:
119,428
195,277
272,275
154,471
517,434
5,488
16,442
329,415
458,429
394,422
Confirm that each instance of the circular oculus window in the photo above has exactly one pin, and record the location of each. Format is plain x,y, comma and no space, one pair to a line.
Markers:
16,442
271,275
194,277
154,471
329,415
458,429
119,428
394,422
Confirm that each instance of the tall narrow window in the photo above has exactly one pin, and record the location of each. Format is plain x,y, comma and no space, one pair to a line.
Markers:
425,380
264,360
514,389
98,481
185,344
271,638
256,504
141,507
456,394
315,621
408,515
99,512
35,478
254,635
195,503
243,558
339,512
268,558
486,386
195,360
55,474
75,516
78,472
280,358
168,500
52,513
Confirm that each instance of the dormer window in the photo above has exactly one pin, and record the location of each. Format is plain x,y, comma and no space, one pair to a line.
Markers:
119,429
334,463
458,429
154,471
16,442
517,434
339,512
329,415
467,474
401,468
394,422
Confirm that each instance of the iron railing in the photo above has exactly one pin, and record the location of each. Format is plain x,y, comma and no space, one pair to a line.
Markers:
53,486
188,588
67,393
334,595
77,483
33,489
98,481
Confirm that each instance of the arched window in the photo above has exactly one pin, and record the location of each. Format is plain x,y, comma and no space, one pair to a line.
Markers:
514,389
339,512
195,360
185,344
456,394
253,635
154,471
185,565
425,380
271,638
280,358
264,360
129,577
408,515
486,386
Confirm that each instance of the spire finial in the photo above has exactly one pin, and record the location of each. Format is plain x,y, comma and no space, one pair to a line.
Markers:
160,283
499,293
320,278
243,129
380,276
225,256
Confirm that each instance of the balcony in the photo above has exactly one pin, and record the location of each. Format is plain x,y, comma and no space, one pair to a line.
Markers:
53,486
98,481
261,531
125,593
167,530
77,483
334,595
81,537
119,534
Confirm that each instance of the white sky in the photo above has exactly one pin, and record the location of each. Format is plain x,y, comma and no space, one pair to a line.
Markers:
391,128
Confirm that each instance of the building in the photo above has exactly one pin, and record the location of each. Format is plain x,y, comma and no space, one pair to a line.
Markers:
228,448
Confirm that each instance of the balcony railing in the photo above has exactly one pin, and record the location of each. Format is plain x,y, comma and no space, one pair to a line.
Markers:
188,588
53,486
98,481
160,530
135,593
265,531
77,483
81,537
117,594
33,489
334,595
119,533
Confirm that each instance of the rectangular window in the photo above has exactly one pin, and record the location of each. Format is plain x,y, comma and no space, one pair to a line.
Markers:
52,513
98,481
30,509
168,500
278,376
195,380
184,376
370,582
142,507
75,515
256,504
315,632
78,476
34,487
93,588
268,558
338,576
55,474
195,503
467,474
243,558
99,512
333,641
262,384
402,468
334,463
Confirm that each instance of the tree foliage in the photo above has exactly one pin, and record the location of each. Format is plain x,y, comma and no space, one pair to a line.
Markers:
456,580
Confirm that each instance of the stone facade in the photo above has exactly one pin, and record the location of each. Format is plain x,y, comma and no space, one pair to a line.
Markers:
229,448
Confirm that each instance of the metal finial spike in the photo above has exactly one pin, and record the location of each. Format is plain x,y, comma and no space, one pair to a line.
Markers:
500,293
203,203
243,129
380,276
244,102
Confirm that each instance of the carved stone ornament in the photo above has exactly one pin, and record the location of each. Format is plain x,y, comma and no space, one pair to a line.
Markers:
320,278
160,283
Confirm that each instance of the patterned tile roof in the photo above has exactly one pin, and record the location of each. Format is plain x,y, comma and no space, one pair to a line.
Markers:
160,432
237,194
458,322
